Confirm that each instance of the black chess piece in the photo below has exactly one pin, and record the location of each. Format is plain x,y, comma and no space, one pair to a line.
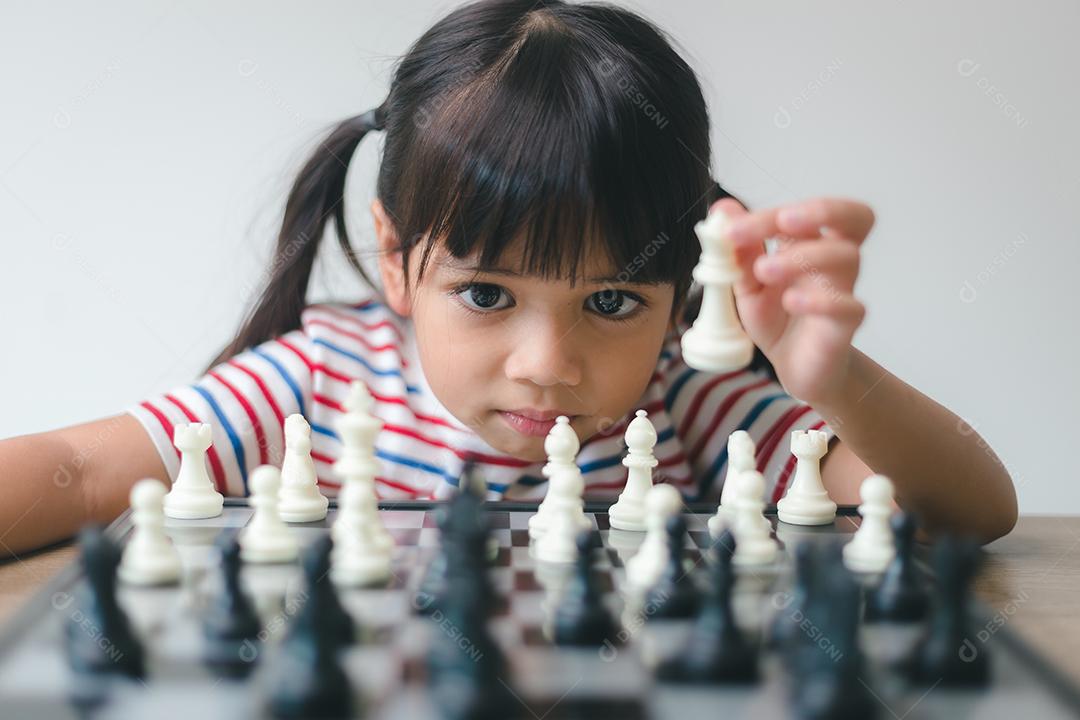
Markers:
948,653
716,651
231,626
316,563
99,639
827,666
467,672
305,678
674,595
791,607
901,595
581,617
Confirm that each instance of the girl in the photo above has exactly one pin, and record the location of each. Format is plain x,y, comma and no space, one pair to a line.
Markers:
542,169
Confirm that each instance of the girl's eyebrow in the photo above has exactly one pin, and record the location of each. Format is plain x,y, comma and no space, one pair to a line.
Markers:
618,279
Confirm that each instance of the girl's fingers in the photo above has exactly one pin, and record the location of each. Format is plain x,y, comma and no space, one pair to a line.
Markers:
800,300
828,262
833,217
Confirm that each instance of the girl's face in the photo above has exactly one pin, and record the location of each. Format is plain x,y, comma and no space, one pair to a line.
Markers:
507,353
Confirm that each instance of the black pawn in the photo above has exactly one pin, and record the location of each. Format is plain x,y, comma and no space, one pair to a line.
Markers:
717,651
947,654
306,679
99,639
581,617
792,607
901,595
674,595
231,625
830,682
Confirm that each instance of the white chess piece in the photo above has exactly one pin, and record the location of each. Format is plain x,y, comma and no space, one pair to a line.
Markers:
299,499
149,556
558,544
873,547
561,446
266,539
363,547
358,558
628,513
753,543
193,495
716,342
644,569
741,458
806,502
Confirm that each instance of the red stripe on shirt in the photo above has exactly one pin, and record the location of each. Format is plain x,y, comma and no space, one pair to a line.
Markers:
360,339
319,457
215,461
789,467
378,325
720,414
776,434
699,399
165,424
260,436
280,416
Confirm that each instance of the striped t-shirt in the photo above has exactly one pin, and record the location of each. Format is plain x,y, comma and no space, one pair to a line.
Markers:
422,448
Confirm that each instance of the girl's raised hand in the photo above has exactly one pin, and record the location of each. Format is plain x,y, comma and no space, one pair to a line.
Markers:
796,303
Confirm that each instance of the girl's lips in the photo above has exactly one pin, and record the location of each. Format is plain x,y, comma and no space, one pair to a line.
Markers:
528,426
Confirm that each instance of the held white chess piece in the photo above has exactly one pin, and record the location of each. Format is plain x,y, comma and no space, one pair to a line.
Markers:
149,556
561,446
741,458
644,569
806,502
266,539
358,465
716,342
299,499
628,513
753,543
193,495
873,547
558,544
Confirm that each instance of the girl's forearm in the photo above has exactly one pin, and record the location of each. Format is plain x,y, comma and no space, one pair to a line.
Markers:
942,469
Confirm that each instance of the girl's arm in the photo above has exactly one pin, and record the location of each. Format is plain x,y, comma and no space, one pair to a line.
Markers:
55,482
942,470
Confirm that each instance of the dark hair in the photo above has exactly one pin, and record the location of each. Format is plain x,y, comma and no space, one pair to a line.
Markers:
575,127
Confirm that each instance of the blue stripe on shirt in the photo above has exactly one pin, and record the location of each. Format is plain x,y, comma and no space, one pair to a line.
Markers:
234,439
393,372
284,376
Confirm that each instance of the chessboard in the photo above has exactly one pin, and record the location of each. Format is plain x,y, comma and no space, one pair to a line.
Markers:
385,666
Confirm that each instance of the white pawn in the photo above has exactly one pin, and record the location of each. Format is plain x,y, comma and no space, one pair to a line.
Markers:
559,543
358,558
561,446
741,457
806,502
873,547
628,513
753,543
643,570
299,499
717,341
149,557
193,495
266,539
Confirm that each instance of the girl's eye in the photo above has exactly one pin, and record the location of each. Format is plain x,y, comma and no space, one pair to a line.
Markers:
481,296
614,304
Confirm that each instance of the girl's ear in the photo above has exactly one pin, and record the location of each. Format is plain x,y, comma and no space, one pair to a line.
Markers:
391,267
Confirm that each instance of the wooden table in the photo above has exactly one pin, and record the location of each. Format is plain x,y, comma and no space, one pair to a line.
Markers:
1031,578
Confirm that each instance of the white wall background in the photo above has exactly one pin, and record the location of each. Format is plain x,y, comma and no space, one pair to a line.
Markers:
145,150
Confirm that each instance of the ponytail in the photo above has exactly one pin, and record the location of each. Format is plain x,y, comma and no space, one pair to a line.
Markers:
317,193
